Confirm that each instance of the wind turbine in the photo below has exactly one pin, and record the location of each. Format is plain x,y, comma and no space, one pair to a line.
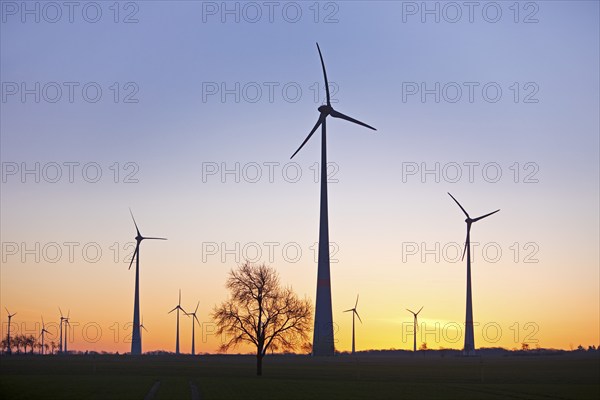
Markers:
415,328
354,313
469,348
178,307
60,340
8,335
44,330
136,337
323,329
67,324
194,319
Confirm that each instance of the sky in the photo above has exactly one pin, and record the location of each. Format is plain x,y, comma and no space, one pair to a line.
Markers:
187,112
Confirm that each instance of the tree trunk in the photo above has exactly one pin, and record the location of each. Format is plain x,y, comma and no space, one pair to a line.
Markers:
259,358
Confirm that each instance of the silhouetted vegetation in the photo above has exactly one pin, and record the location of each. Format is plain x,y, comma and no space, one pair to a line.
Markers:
262,313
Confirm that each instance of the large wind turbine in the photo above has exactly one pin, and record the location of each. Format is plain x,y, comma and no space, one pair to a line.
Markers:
8,335
136,337
194,319
60,340
415,327
323,330
177,307
469,348
354,313
42,332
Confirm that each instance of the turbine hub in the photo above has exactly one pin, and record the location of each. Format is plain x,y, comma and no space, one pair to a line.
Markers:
325,109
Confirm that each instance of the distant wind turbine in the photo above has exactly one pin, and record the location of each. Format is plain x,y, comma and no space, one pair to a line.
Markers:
194,319
469,348
354,313
142,326
323,330
60,340
178,307
42,332
415,327
8,335
136,337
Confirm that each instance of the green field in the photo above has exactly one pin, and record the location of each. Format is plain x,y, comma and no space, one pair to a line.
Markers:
566,376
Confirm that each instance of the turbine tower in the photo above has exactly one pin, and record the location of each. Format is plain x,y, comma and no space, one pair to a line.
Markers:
323,329
42,332
8,335
60,340
194,319
136,337
177,307
469,348
67,324
415,327
354,314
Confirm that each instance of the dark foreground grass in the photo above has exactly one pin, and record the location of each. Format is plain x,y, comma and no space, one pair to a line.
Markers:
567,376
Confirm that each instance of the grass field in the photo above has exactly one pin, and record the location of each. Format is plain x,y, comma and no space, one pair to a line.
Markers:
566,376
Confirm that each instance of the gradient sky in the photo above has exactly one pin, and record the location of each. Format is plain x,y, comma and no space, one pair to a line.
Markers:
379,216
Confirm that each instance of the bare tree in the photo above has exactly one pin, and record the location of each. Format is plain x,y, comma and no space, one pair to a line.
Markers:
261,312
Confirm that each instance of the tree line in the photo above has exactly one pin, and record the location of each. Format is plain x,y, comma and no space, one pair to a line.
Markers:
22,343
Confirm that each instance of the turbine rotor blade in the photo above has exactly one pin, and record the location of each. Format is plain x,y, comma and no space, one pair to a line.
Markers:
319,122
355,305
486,215
155,238
137,248
356,312
324,75
172,310
196,319
467,240
352,309
136,227
461,207
410,311
197,305
420,310
61,314
337,114
179,298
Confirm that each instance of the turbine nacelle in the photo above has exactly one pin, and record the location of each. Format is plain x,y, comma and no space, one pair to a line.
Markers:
325,109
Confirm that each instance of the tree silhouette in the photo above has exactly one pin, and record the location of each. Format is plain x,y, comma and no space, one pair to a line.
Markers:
17,341
4,345
31,342
261,312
